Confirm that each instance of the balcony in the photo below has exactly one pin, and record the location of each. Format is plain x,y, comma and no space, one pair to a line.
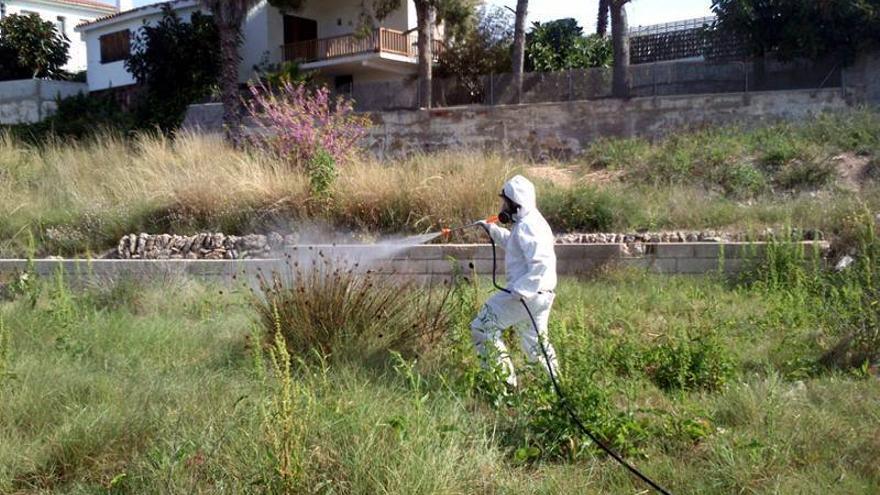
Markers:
382,41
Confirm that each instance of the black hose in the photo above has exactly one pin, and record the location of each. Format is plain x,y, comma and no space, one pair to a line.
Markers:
563,400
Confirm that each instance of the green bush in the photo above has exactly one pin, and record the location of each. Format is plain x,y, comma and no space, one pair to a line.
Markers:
805,174
584,209
322,173
687,364
743,180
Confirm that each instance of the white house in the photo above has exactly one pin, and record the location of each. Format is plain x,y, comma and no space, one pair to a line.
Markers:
66,15
320,36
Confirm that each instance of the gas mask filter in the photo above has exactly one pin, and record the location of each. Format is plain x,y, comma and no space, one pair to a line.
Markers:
508,210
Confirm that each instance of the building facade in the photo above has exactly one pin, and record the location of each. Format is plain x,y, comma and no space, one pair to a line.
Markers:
66,15
320,37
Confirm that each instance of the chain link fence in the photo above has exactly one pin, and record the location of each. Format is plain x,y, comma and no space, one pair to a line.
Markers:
655,79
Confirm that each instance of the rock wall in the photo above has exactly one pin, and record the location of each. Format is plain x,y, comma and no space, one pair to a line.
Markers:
209,246
31,100
560,130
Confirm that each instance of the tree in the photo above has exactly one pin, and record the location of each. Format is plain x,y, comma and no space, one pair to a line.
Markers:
560,45
484,49
229,16
31,47
519,46
792,29
602,18
174,78
426,19
620,40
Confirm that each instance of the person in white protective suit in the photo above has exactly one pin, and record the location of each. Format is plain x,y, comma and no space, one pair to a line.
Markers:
530,262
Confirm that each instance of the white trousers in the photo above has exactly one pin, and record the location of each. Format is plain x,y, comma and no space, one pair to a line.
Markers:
504,310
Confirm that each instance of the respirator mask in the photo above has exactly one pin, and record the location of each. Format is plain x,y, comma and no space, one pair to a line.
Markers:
508,210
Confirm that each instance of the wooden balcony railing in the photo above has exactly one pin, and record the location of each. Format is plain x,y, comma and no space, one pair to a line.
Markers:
381,40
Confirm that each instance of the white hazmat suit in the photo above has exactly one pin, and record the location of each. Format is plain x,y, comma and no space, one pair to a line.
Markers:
530,263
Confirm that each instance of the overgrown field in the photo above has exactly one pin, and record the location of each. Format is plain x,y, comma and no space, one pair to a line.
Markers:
709,385
78,197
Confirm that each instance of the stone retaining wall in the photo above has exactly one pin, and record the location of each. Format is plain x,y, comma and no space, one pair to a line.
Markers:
561,130
428,264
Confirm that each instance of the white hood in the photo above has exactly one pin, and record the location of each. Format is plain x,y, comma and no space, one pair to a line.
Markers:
529,256
522,192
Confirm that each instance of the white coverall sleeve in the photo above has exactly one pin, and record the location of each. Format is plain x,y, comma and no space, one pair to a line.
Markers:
536,257
499,234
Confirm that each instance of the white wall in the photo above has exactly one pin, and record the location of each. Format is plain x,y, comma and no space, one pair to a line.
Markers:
340,17
113,75
73,16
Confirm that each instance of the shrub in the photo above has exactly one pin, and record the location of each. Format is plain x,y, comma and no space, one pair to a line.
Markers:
701,363
582,209
743,180
322,173
295,123
173,77
335,308
805,174
853,303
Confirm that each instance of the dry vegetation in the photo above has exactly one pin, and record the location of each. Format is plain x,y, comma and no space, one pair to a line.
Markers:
74,197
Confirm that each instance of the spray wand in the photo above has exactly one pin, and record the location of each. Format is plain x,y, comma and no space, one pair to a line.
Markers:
447,232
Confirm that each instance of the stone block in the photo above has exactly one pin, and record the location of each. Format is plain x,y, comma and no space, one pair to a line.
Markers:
696,265
596,252
673,250
576,266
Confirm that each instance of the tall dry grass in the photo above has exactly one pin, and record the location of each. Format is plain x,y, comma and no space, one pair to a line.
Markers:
74,197
83,195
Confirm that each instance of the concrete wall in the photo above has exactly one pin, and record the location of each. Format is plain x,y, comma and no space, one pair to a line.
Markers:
427,264
72,14
31,100
563,129
862,80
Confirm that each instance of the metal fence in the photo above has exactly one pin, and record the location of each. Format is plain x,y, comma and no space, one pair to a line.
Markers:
657,79
693,38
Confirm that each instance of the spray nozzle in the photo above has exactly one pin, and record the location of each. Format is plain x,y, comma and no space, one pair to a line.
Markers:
492,219
445,232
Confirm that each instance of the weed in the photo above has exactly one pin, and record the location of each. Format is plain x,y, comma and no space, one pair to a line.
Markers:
584,209
284,415
690,363
4,351
322,173
336,308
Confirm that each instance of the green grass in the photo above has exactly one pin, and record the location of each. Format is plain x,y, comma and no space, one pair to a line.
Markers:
128,388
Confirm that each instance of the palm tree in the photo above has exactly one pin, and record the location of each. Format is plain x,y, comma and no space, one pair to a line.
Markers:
229,16
426,19
519,45
620,39
602,19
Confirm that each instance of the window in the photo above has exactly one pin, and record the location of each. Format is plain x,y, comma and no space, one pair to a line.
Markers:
115,46
61,24
344,84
